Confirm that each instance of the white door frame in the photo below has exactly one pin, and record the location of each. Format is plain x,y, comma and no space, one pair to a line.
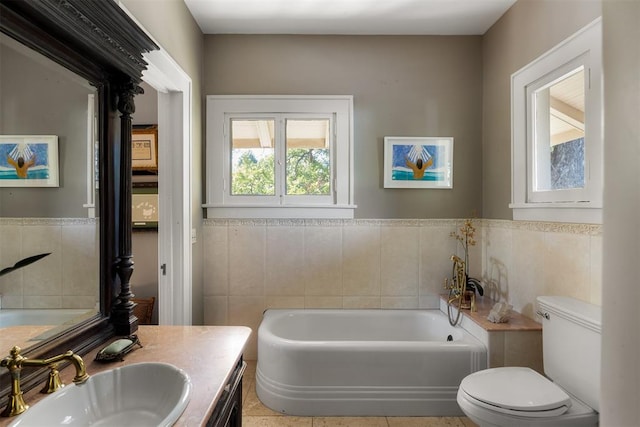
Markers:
174,187
174,183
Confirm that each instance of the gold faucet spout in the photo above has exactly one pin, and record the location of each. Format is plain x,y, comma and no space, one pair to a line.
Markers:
78,363
15,362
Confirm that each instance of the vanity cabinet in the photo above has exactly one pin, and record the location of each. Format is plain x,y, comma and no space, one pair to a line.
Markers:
228,410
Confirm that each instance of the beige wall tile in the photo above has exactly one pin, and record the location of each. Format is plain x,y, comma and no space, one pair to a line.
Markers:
12,301
323,260
284,302
400,254
322,302
399,302
361,260
43,301
285,263
496,255
216,310
376,264
80,262
596,269
11,248
361,302
45,276
246,260
567,270
247,311
216,267
79,301
527,270
436,248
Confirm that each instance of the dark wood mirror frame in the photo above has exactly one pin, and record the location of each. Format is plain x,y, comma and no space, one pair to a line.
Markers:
98,41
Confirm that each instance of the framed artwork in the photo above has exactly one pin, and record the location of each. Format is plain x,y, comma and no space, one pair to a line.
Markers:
144,206
29,161
418,162
144,148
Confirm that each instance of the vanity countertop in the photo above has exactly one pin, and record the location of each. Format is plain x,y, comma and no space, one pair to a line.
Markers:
208,354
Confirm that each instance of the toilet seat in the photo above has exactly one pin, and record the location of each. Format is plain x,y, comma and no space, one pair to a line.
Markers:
516,391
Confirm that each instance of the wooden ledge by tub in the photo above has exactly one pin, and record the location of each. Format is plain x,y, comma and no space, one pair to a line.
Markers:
209,354
517,342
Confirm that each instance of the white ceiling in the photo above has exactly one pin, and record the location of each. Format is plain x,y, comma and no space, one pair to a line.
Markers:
442,17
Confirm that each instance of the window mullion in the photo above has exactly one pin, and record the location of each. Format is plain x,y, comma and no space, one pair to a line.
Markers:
280,163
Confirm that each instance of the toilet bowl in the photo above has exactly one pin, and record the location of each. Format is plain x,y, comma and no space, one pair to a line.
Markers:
569,394
517,396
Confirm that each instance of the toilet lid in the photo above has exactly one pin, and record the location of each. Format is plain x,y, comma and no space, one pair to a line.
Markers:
516,389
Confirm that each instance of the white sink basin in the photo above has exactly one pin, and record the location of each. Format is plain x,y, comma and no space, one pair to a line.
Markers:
142,394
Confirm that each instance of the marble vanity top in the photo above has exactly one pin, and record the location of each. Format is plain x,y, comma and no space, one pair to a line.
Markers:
517,322
207,353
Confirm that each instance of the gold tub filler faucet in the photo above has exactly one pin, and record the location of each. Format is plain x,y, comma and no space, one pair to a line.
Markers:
15,362
458,293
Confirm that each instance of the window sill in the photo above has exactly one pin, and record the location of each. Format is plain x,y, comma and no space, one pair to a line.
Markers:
280,211
580,213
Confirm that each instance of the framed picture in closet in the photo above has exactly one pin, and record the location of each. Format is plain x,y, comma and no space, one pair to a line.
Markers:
144,148
144,206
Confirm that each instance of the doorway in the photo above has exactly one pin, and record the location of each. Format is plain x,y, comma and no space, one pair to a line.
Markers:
173,86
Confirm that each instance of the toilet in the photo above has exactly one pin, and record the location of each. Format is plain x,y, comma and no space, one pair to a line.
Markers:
569,394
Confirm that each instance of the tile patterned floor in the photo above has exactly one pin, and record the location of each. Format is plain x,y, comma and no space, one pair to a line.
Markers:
255,414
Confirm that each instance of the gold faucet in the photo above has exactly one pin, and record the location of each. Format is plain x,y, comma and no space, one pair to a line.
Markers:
15,362
456,286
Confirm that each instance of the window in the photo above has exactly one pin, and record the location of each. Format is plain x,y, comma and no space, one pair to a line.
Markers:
279,156
557,133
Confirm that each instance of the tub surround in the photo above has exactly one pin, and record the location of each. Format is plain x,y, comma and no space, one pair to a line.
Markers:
253,265
209,354
517,342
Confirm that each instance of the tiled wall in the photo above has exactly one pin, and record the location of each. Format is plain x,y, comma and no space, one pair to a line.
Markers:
522,260
252,265
68,278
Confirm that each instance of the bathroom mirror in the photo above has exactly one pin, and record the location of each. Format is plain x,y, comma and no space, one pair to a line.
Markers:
42,99
100,48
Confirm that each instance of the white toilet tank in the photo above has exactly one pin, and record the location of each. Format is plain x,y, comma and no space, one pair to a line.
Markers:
571,346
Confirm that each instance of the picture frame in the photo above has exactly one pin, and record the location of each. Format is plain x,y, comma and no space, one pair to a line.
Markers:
418,162
144,148
145,206
29,161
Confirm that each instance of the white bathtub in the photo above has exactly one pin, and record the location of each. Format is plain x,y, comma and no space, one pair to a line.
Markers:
363,362
19,317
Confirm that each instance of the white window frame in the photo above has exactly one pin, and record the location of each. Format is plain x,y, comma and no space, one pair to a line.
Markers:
580,206
222,108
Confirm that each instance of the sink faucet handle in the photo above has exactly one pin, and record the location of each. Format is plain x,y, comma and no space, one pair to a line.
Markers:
13,363
54,383
13,360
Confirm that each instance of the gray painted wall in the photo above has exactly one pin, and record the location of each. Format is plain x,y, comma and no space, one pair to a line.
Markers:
38,97
526,31
402,86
